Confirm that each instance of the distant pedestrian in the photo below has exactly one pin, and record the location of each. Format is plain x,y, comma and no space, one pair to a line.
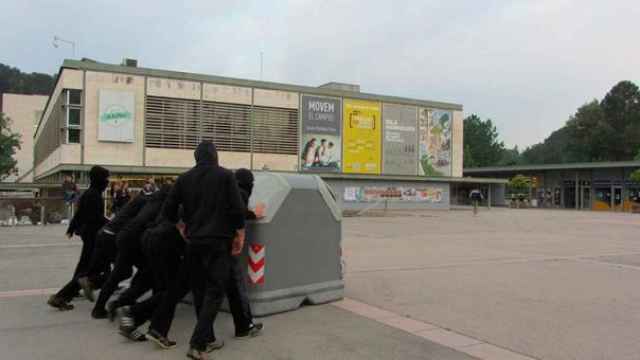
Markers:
119,197
476,197
69,194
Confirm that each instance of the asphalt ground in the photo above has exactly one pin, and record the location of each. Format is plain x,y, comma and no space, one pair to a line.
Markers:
36,261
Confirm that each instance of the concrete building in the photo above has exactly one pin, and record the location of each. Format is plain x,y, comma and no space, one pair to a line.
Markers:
142,122
24,111
584,186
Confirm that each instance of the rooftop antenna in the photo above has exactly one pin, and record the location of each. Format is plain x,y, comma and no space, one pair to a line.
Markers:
261,65
57,40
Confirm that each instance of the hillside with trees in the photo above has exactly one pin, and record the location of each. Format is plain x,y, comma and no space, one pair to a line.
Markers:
12,80
606,130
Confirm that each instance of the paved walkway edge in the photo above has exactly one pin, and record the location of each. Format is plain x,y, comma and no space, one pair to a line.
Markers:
465,344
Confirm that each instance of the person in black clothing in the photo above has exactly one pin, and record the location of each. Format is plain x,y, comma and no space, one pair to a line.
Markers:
163,247
86,222
213,213
105,250
130,254
237,292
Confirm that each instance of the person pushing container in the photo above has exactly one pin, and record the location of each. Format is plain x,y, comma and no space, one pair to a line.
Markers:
213,212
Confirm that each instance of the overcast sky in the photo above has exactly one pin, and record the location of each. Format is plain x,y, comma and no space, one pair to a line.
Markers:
525,64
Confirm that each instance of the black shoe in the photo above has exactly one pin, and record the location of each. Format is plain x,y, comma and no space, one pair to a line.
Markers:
112,309
133,335
59,303
197,354
162,341
87,288
127,322
99,313
214,345
253,331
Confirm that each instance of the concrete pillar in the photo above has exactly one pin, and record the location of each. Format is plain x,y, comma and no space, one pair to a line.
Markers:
489,197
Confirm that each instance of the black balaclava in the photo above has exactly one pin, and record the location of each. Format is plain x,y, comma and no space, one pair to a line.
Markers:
245,179
99,178
206,154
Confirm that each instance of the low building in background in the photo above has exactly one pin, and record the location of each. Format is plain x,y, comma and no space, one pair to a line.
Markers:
24,111
142,123
584,186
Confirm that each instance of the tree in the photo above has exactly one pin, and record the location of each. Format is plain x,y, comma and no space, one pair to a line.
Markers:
621,107
9,142
635,176
510,157
481,144
519,184
608,130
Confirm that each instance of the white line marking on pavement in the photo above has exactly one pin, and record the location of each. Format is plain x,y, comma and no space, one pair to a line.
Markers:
26,292
28,246
433,333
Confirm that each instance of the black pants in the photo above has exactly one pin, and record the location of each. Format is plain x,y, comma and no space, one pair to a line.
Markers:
206,272
125,261
208,292
238,296
163,250
104,254
141,283
71,288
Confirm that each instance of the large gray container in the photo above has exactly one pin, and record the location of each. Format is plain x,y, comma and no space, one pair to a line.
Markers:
300,237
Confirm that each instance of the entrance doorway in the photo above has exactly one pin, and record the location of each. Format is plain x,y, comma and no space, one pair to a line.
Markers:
570,196
586,197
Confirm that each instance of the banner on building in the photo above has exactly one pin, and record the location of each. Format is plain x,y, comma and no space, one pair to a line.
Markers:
116,116
429,194
400,138
321,147
362,137
434,128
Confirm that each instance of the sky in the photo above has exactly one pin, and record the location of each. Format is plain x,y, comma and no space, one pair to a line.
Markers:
527,65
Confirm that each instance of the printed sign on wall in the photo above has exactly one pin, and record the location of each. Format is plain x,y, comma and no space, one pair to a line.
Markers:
116,116
321,148
428,194
435,142
400,130
362,136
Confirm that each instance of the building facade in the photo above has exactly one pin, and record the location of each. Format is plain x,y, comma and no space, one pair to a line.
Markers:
143,122
585,186
24,111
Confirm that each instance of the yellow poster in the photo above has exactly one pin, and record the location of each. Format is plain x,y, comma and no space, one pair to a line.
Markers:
362,137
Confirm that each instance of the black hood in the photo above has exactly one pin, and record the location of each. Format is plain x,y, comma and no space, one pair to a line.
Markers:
206,154
245,179
99,178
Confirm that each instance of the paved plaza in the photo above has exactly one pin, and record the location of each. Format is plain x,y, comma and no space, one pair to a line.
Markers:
548,284
507,284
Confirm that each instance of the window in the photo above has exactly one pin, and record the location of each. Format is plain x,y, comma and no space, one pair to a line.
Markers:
74,117
73,114
75,97
74,136
182,124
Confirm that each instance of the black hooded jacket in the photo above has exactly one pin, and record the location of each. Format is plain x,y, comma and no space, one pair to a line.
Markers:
127,213
245,184
89,216
212,206
130,235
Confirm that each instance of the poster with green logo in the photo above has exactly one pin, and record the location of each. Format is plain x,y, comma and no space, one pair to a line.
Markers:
116,116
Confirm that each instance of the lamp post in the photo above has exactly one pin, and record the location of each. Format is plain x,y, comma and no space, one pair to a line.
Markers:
57,40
